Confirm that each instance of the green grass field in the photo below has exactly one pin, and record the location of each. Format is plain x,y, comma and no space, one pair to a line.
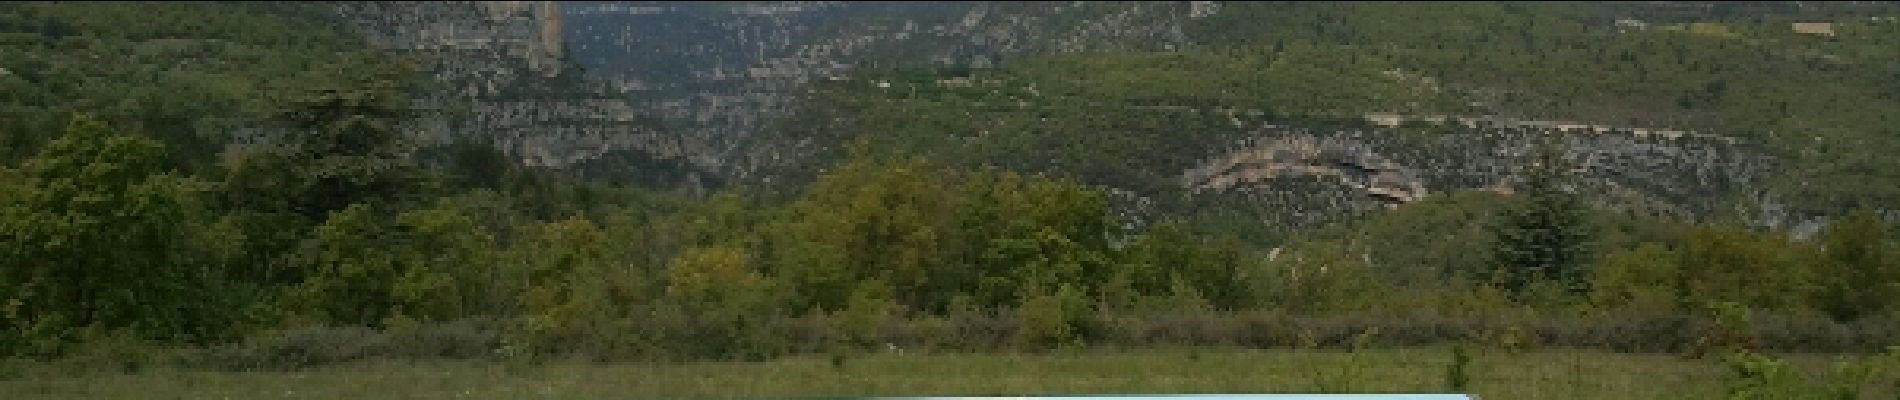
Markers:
1547,374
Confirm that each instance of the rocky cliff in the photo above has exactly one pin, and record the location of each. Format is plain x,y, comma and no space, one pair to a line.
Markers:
687,82
1321,175
724,91
723,72
501,68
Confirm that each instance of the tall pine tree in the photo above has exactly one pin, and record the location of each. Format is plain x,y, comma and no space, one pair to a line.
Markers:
1543,234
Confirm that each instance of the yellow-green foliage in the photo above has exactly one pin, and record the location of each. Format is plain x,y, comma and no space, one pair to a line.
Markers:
1642,278
1755,375
929,234
1731,264
451,260
1857,270
428,264
862,318
1052,320
575,297
724,301
716,281
96,233
1324,278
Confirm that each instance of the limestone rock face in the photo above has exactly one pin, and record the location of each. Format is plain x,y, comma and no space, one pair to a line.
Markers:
722,72
713,73
1316,176
499,68
692,90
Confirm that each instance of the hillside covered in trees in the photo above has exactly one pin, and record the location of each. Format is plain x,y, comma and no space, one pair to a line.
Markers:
257,184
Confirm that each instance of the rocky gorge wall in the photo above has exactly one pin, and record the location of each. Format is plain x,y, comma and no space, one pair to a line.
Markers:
1315,176
721,73
686,88
501,70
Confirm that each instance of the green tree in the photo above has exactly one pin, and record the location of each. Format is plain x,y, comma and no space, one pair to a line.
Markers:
448,264
364,267
1169,259
867,221
345,146
1543,235
350,268
1324,277
726,301
1720,263
339,147
571,297
97,234
862,320
1049,233
1642,278
1052,319
874,221
1858,268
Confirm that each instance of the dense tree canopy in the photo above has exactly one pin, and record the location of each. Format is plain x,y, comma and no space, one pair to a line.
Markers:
199,183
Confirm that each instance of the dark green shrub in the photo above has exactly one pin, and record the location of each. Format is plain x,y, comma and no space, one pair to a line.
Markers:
984,329
1759,376
1045,324
1344,377
115,352
460,339
839,355
1458,376
294,349
11,369
808,334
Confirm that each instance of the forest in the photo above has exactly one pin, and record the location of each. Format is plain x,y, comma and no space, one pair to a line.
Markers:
241,193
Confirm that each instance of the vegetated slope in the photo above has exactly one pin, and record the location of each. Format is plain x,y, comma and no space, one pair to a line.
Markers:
721,72
181,173
1299,114
701,77
338,226
124,124
1817,101
503,72
201,76
190,74
1692,108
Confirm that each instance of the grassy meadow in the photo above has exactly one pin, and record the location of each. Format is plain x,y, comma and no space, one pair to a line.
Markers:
1543,374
